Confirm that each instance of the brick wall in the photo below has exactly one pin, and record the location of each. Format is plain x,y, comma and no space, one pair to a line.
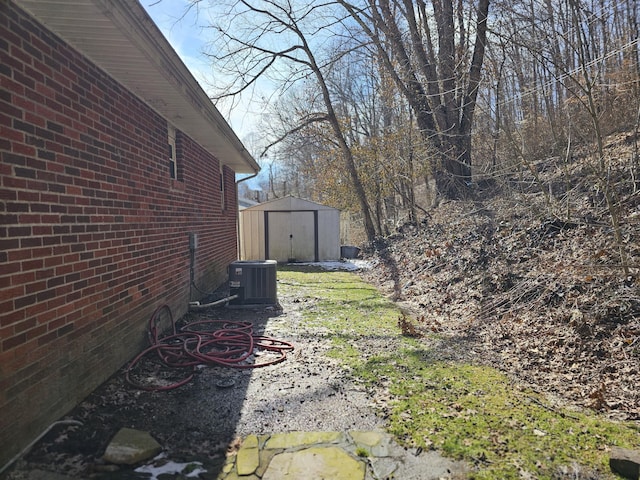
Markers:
93,231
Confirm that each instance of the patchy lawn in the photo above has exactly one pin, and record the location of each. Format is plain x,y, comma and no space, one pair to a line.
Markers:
434,395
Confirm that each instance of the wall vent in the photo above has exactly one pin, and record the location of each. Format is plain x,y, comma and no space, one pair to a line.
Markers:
254,281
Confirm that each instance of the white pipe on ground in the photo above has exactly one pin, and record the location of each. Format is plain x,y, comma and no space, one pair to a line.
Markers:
197,305
37,439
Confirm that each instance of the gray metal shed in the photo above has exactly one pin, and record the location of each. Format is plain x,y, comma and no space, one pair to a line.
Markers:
290,229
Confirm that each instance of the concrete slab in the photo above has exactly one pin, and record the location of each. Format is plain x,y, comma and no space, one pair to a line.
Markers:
42,475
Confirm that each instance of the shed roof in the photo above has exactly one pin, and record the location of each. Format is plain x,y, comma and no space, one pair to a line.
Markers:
122,39
290,203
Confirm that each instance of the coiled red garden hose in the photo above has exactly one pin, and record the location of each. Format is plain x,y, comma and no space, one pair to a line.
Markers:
206,342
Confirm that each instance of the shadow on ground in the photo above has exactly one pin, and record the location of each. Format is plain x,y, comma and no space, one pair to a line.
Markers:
206,418
196,422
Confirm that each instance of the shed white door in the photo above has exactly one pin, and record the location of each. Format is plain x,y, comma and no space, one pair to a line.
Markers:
291,236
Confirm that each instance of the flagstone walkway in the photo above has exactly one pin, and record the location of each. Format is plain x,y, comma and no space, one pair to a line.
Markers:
353,455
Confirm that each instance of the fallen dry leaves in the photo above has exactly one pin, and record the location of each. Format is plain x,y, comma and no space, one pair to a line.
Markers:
544,300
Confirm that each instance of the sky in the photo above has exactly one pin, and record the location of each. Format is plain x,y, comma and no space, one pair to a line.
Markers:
185,29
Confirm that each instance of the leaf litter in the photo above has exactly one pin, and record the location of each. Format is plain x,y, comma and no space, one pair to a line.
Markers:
542,300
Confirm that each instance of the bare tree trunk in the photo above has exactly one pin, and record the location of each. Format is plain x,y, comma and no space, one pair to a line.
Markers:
441,93
348,157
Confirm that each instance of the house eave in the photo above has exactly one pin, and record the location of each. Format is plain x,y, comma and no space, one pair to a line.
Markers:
122,39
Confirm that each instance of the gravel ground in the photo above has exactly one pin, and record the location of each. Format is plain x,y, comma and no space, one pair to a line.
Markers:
203,419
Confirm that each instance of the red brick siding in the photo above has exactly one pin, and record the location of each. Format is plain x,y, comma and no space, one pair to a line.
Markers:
93,232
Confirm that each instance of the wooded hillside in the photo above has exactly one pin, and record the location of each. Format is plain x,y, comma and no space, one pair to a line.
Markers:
378,100
544,299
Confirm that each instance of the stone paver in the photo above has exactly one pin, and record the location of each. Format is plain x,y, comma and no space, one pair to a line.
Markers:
353,455
131,446
327,463
297,439
248,459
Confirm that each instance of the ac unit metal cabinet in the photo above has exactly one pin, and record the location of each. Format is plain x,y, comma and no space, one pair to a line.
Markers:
254,281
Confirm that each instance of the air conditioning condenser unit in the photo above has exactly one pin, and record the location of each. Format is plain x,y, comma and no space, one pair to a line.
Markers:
254,282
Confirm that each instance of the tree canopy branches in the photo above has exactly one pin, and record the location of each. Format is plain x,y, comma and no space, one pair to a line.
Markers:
395,94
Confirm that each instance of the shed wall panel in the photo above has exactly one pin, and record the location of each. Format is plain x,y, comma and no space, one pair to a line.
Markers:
291,231
329,235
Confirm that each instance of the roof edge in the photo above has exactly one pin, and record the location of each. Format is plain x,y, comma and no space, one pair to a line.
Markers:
176,96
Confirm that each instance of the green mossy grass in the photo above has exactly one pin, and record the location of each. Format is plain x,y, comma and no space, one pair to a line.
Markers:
340,302
477,414
469,412
362,452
